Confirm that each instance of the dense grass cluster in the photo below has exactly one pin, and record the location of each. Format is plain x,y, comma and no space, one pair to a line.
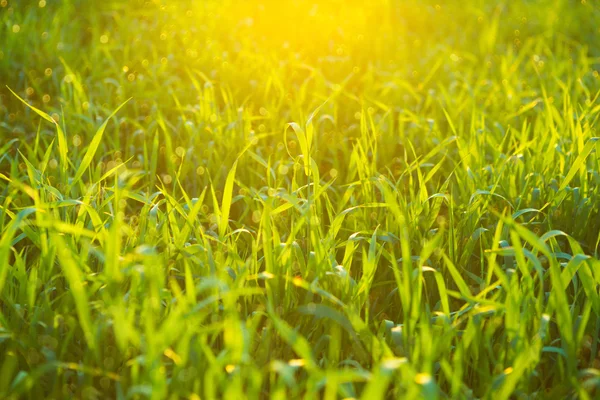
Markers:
300,199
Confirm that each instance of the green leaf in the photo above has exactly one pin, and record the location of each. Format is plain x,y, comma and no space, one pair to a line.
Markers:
578,163
62,139
93,147
226,201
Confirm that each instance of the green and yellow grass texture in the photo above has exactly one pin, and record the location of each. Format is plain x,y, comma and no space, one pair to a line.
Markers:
299,199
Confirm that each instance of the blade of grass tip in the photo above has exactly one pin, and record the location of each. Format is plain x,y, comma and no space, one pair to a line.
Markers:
450,124
190,220
46,158
310,128
6,146
226,201
62,139
578,163
93,147
215,202
457,277
154,161
304,146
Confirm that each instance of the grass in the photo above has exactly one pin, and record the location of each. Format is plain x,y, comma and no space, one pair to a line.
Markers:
385,199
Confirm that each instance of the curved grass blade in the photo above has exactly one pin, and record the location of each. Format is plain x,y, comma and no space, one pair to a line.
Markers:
93,147
62,139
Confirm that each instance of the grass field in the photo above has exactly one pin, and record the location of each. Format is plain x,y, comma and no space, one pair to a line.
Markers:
299,199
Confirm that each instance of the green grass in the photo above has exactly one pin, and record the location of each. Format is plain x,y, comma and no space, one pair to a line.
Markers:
333,199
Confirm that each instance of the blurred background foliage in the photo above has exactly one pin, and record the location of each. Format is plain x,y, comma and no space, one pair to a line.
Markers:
416,253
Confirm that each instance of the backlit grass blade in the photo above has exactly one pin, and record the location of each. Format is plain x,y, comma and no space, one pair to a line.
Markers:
226,201
62,139
304,145
579,162
93,147
457,277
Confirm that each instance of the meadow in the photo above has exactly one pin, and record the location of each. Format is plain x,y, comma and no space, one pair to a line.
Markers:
293,199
